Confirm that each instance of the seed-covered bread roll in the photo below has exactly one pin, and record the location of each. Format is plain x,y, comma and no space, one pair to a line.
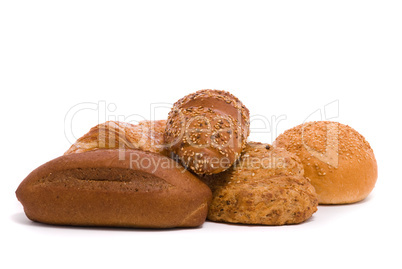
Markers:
207,130
266,186
146,135
336,158
107,187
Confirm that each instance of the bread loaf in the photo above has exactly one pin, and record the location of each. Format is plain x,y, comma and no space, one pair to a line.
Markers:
266,187
207,130
337,159
146,135
130,188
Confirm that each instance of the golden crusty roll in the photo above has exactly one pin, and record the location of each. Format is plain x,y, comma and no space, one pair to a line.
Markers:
266,187
109,187
337,159
146,135
207,130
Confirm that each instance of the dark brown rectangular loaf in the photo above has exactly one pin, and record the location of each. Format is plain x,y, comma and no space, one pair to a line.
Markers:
130,188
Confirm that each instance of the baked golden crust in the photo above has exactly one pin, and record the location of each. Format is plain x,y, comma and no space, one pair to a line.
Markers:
337,159
266,186
146,135
207,130
270,201
108,187
258,161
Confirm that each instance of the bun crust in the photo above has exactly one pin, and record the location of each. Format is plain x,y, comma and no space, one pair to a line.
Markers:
207,130
130,188
266,186
146,135
337,159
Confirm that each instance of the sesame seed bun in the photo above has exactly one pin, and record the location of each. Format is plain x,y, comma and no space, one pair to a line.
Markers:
336,158
207,130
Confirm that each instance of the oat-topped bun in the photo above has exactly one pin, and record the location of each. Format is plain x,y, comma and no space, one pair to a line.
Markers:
337,159
266,186
207,130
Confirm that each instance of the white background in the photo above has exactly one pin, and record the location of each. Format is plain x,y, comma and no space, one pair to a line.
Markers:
281,58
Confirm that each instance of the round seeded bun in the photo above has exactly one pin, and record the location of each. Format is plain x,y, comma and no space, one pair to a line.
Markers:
207,130
337,159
